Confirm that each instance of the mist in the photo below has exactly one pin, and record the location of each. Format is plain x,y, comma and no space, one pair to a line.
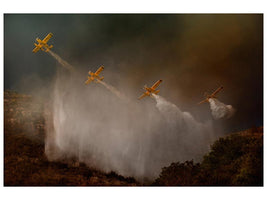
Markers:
101,127
219,110
61,61
114,91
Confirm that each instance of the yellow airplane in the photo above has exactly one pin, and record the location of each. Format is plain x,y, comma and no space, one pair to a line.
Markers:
213,95
95,76
151,90
42,44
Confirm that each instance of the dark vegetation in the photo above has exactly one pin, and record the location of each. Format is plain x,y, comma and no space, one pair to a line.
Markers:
25,163
233,160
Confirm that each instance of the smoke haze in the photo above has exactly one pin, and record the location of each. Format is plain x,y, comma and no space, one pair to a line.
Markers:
114,91
192,53
108,132
61,61
103,124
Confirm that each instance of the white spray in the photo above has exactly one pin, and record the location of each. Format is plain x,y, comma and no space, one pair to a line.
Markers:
112,134
219,110
192,135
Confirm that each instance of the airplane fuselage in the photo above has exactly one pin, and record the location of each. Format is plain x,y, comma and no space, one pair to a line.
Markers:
150,91
213,95
42,44
93,76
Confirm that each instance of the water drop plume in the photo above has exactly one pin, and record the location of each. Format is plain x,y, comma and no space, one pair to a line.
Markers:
219,110
133,138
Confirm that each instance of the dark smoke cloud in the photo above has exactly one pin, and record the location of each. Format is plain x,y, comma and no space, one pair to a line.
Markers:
191,53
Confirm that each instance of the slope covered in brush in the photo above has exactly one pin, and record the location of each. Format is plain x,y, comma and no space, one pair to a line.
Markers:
233,160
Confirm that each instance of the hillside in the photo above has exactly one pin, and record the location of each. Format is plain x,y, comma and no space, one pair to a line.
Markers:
25,163
236,159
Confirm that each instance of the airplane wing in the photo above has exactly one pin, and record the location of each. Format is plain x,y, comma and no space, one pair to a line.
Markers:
156,84
142,96
216,91
36,49
206,100
100,69
45,40
88,81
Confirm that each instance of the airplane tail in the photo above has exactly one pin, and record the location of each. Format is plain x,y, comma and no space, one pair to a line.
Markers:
206,100
142,96
145,87
48,48
156,92
88,81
